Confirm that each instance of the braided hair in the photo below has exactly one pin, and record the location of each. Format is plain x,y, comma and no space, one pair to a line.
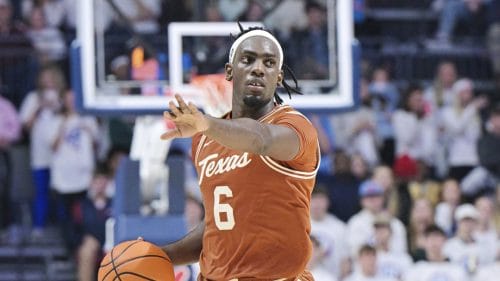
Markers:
286,69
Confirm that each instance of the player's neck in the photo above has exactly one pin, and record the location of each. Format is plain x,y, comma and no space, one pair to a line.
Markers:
242,111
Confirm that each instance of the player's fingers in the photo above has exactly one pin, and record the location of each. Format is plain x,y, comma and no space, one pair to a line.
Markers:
182,104
170,135
168,115
175,110
192,107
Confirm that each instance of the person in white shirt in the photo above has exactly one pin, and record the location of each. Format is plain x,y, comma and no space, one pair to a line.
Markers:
435,267
367,266
331,233
489,272
440,93
360,228
74,139
444,218
316,265
414,128
391,265
464,249
461,129
37,112
486,232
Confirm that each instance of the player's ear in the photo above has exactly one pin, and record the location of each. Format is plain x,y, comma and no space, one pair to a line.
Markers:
229,71
280,77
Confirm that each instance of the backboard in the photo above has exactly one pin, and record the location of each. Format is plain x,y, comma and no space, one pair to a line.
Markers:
119,72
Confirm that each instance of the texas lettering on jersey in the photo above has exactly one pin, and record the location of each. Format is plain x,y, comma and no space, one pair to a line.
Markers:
209,166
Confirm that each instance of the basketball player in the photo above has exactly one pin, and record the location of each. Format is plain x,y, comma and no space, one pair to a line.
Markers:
256,168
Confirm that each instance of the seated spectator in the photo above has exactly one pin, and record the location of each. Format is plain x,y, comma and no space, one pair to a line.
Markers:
421,216
435,265
343,185
361,130
142,14
253,12
415,131
384,98
461,128
389,264
473,13
48,41
486,232
316,266
53,11
464,249
331,233
487,175
440,93
384,177
450,196
308,48
488,272
95,209
366,269
360,229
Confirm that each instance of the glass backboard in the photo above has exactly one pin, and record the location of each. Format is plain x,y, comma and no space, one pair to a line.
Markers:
119,71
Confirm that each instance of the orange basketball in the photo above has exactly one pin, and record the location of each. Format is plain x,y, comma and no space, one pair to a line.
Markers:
136,260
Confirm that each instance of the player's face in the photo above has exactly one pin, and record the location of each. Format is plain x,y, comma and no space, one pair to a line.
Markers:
255,72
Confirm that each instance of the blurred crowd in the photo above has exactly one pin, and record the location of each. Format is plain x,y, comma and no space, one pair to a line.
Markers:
408,187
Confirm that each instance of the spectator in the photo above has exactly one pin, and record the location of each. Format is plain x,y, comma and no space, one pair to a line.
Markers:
95,209
361,131
360,228
462,128
450,195
440,93
142,14
53,11
253,12
464,249
389,264
343,185
37,115
367,266
13,40
384,177
488,272
10,131
487,175
472,12
308,47
384,100
486,232
316,265
435,265
421,216
414,131
48,41
331,233
74,140
383,88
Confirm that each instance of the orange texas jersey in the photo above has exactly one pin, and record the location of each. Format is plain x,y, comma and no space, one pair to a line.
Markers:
257,208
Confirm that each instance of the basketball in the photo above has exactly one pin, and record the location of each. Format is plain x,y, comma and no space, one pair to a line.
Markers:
136,260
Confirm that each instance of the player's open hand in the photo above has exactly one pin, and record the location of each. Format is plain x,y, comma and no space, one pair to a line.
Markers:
187,118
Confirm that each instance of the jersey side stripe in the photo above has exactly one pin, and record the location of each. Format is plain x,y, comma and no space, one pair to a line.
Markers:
281,171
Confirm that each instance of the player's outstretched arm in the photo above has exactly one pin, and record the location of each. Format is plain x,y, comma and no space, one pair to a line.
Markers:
188,249
244,134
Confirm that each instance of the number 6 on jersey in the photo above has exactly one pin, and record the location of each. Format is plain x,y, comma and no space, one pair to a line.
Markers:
219,208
